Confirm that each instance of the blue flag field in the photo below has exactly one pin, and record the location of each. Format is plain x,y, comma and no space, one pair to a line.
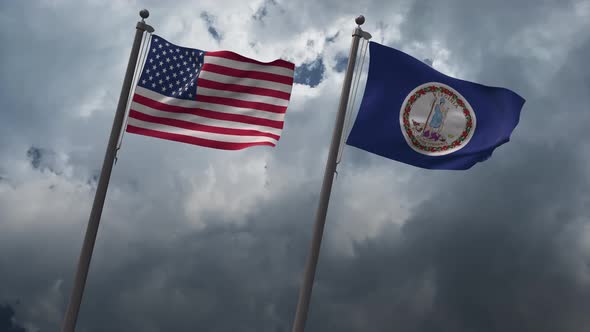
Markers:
416,115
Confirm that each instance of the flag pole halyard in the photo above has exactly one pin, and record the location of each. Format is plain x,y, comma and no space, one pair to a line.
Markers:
71,316
322,210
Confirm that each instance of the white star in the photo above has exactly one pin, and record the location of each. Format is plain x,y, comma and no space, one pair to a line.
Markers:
175,57
193,53
178,65
174,75
157,56
147,71
194,64
151,60
177,82
200,53
150,78
174,93
160,81
167,78
171,67
164,70
170,85
184,63
156,40
181,56
153,85
192,83
160,46
157,74
161,63
163,88
167,59
164,52
143,82
177,50
167,44
186,52
182,72
184,79
190,95
154,67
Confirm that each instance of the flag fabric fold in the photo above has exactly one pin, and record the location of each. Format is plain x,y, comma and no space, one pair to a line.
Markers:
416,115
219,100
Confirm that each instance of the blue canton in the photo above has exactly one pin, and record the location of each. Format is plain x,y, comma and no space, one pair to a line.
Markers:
172,70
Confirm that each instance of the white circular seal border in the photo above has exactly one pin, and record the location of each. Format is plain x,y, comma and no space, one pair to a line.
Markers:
458,144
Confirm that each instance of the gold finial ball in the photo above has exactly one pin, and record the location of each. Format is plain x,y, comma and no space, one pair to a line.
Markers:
360,20
144,13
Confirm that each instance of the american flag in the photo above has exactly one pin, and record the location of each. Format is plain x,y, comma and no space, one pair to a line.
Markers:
218,99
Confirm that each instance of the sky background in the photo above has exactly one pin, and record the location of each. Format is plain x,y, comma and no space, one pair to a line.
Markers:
195,239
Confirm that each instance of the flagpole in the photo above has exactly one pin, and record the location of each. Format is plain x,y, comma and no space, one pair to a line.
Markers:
71,316
322,210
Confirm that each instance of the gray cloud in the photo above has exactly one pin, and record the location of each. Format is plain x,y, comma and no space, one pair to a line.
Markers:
263,10
210,21
203,239
7,323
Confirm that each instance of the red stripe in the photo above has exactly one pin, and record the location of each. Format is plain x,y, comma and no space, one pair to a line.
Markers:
193,140
207,113
257,75
237,57
243,89
198,127
241,103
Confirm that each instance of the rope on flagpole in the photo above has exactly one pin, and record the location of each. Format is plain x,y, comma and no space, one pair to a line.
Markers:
356,84
352,98
146,39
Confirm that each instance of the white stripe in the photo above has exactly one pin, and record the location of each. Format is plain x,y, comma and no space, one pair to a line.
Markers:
245,81
199,134
208,106
203,120
241,96
248,66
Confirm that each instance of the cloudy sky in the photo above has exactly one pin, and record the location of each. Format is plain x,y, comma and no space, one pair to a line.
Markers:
195,239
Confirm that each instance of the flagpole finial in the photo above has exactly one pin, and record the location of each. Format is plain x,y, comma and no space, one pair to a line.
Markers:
360,20
144,13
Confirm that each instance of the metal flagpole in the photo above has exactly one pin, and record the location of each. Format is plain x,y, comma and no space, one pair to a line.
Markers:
322,210
69,322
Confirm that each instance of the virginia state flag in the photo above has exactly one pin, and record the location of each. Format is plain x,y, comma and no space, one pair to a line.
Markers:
416,115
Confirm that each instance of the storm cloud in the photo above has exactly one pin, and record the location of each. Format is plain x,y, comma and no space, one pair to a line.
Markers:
200,239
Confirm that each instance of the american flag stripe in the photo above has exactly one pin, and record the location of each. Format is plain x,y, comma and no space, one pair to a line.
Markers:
193,140
241,58
156,100
242,103
203,83
136,110
248,66
210,76
206,126
257,75
256,98
199,133
239,118
218,99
